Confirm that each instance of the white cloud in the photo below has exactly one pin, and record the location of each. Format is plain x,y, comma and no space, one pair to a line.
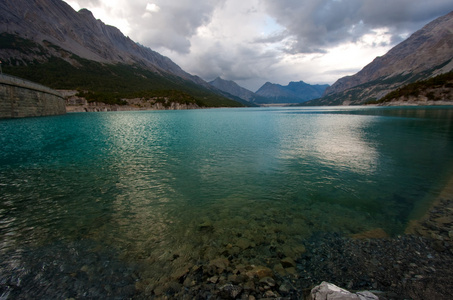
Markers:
152,7
255,41
110,12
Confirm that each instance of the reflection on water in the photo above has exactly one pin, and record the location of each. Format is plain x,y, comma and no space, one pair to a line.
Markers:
340,141
172,190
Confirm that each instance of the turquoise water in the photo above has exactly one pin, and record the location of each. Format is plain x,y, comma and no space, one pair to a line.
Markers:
185,186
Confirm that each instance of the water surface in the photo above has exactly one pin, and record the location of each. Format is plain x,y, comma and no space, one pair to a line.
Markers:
170,189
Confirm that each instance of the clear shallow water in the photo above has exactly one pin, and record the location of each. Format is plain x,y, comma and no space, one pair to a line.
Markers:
170,189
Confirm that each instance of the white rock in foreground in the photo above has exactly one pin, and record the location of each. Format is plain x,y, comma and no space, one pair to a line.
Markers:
328,291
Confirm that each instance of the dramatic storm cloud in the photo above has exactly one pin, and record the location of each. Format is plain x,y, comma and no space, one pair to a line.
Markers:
255,41
317,25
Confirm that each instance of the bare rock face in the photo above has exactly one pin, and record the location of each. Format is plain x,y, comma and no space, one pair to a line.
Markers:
425,53
55,22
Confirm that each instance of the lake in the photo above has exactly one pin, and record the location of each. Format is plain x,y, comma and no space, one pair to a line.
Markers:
133,199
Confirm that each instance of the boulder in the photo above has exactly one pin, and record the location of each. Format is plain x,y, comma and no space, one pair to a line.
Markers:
328,291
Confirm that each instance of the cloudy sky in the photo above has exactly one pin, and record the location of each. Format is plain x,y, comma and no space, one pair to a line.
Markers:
254,41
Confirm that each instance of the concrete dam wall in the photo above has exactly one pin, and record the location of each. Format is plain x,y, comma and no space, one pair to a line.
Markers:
21,98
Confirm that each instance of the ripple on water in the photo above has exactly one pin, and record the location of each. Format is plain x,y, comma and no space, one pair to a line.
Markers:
91,203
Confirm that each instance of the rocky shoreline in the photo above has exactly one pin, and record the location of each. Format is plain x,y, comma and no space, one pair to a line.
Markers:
410,266
101,107
80,104
406,267
417,102
415,265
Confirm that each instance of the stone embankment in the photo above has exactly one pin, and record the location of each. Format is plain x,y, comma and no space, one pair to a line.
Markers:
21,98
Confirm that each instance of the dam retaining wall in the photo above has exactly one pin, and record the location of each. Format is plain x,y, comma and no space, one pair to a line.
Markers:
22,98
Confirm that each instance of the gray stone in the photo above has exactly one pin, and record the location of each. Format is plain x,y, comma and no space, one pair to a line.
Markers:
328,291
229,290
366,295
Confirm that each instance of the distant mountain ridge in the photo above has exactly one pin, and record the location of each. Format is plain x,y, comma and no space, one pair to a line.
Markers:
36,33
294,92
426,53
235,89
271,93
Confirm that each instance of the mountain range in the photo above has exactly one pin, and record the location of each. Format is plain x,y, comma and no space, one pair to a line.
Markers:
233,88
294,92
426,53
48,42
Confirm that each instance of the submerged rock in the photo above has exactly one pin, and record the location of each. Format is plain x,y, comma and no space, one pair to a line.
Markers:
328,291
269,281
243,243
278,268
220,264
288,262
259,272
206,226
230,291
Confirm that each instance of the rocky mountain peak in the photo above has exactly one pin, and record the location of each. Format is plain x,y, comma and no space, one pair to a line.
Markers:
426,53
80,33
86,12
